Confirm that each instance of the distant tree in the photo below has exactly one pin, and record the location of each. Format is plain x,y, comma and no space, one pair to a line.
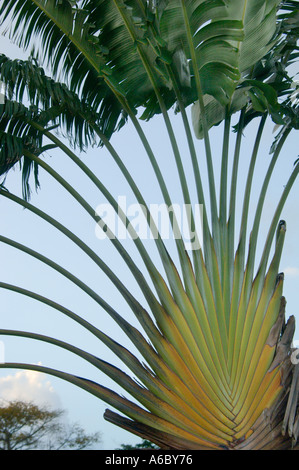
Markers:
142,445
25,426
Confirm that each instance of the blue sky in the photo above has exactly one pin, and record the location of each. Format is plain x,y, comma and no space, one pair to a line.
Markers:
18,312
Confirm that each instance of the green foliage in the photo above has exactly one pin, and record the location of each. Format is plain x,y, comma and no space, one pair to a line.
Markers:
142,445
105,49
25,426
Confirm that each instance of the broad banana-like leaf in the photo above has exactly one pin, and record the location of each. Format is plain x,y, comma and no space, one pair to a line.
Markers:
258,23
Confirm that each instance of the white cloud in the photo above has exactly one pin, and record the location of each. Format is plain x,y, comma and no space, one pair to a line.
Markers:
291,271
30,386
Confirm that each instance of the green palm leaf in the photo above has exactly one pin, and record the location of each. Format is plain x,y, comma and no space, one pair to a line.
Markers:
221,46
